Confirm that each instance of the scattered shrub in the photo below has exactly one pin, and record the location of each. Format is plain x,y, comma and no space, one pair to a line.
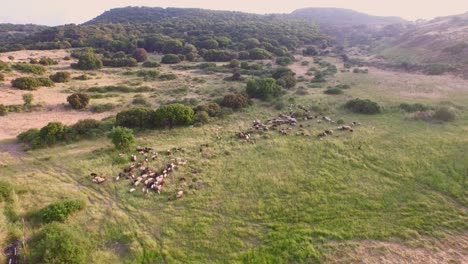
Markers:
211,108
234,64
30,83
334,91
173,115
60,77
57,244
167,77
201,117
82,77
259,54
27,99
88,61
52,133
140,101
119,88
283,61
3,110
140,55
3,65
78,100
120,62
219,55
235,101
305,63
444,114
29,68
151,64
60,211
287,81
5,191
263,88
139,117
310,51
101,108
411,108
30,137
87,128
148,74
282,72
2,77
47,61
170,59
436,69
363,106
122,138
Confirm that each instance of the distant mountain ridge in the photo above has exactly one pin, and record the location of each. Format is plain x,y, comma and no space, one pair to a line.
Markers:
341,16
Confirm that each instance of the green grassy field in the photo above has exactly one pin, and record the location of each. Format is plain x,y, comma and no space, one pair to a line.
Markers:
282,199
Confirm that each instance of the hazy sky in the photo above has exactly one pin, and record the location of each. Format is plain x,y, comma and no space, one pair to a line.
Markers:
56,12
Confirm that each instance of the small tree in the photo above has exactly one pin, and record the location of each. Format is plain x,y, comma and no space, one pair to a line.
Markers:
140,55
52,133
139,117
235,101
122,138
27,99
78,100
170,59
88,61
263,88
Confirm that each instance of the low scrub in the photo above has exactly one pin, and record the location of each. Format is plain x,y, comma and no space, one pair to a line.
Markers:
60,211
60,77
363,106
151,64
30,83
444,114
211,108
119,89
122,138
167,77
411,108
235,101
101,108
29,68
334,91
265,88
78,100
173,115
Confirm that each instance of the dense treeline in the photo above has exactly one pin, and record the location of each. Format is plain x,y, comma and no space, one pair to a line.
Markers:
215,35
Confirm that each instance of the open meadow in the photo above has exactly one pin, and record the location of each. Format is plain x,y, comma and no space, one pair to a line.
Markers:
396,186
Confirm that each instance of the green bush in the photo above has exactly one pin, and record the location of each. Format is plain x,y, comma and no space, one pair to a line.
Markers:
3,65
82,77
444,114
140,101
60,211
311,51
47,61
88,61
57,244
151,64
5,191
139,117
211,108
282,72
363,106
78,100
235,101
263,88
201,117
52,133
122,138
30,137
29,68
119,88
170,59
283,61
30,83
120,62
287,82
27,99
173,115
2,77
101,108
334,91
60,77
148,74
87,128
3,110
234,64
140,55
259,54
167,77
411,108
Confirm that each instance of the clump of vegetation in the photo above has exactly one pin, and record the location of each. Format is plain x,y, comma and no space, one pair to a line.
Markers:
30,83
88,128
27,99
259,54
101,108
60,211
235,101
139,117
358,70
265,88
46,61
60,77
29,68
334,91
287,81
167,77
411,108
120,62
119,88
2,77
148,74
5,191
363,106
201,117
3,66
52,133
88,60
78,100
437,69
30,137
211,108
283,61
173,115
122,138
151,64
139,100
82,77
170,59
58,244
140,55
444,114
310,51
3,110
